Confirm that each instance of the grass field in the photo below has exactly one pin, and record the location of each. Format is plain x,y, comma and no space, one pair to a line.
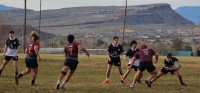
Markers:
90,74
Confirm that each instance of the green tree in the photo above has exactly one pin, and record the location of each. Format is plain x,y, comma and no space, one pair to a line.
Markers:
177,44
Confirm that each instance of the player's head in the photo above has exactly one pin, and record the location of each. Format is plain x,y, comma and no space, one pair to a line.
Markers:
35,36
11,34
133,44
115,40
169,56
70,38
143,46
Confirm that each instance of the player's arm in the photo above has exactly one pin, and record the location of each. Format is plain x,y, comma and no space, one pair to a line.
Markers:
36,48
109,52
18,48
156,56
126,56
65,51
5,50
84,50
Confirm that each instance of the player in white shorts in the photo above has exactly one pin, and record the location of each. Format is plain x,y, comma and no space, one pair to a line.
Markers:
129,55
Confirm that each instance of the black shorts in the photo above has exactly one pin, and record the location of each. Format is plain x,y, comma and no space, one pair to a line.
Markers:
71,63
146,65
135,67
31,62
8,58
115,60
164,71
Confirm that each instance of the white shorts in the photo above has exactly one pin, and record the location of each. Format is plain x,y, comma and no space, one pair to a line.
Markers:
136,63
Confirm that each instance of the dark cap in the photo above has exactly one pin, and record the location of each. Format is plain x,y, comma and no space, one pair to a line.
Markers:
169,55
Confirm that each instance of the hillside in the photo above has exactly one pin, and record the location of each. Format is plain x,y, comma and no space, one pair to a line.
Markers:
3,7
190,12
87,20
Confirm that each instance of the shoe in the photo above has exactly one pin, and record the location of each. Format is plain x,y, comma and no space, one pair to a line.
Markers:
132,86
62,86
57,86
183,84
121,81
148,83
106,81
16,80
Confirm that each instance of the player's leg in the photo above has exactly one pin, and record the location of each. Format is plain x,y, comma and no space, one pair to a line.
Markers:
15,65
120,71
34,76
5,62
152,70
157,76
61,76
25,72
126,74
67,78
177,73
136,78
108,73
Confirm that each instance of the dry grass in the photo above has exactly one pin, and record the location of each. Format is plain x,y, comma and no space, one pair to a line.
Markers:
91,73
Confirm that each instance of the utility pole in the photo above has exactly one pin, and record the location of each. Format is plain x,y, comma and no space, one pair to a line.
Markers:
24,31
124,22
40,16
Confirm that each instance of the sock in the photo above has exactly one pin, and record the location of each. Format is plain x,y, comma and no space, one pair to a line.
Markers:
16,73
63,83
20,75
0,71
107,78
148,79
32,82
58,82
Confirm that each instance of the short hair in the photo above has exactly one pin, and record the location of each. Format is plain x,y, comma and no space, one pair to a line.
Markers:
115,37
133,42
35,36
169,55
70,38
143,46
11,32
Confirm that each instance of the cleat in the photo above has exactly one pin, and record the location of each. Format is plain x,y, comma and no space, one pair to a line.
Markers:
106,81
62,86
121,82
148,83
57,86
132,86
183,84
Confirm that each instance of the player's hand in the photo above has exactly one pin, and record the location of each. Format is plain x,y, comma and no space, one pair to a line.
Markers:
87,54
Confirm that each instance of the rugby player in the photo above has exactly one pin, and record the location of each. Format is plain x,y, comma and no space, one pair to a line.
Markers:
114,51
71,61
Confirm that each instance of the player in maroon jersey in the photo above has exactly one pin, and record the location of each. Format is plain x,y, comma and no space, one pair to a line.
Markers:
71,61
146,62
31,61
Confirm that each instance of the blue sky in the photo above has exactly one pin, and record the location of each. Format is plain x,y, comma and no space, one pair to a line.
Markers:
56,4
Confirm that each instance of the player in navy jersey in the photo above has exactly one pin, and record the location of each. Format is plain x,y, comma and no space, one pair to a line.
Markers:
114,51
10,52
31,61
168,67
146,63
71,61
129,56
